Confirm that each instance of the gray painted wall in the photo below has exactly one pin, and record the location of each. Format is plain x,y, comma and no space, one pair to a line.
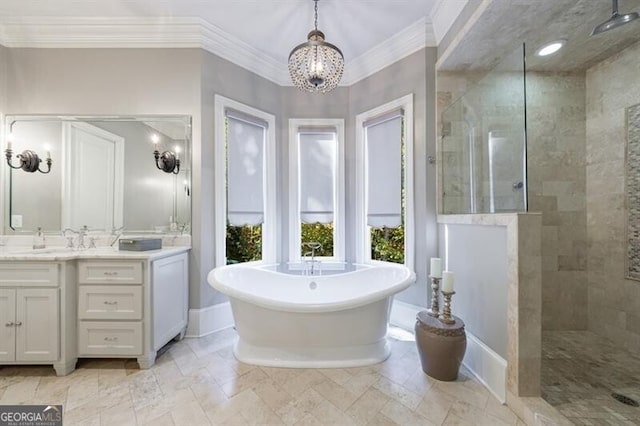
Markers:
3,79
3,110
478,258
184,81
114,82
222,77
413,74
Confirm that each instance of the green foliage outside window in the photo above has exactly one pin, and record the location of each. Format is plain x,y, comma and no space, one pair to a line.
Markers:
319,232
244,243
388,244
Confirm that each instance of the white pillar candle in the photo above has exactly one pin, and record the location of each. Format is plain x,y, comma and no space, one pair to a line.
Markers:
436,267
447,282
9,144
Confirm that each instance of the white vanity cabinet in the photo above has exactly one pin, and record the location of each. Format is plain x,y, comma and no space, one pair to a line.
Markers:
35,324
131,308
58,306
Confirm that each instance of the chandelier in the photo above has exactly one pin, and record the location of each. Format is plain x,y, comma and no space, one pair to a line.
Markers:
316,66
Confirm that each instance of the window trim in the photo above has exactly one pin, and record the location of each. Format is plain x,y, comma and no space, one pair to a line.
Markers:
269,240
362,233
339,189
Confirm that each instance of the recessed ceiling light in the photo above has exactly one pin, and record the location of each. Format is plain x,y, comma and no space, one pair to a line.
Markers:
550,48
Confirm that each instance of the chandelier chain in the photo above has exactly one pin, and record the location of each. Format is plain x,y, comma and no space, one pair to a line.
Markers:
316,14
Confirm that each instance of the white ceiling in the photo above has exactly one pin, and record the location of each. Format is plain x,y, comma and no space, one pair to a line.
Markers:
244,31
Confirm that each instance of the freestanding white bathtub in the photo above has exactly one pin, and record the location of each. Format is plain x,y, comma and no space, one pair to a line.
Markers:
328,321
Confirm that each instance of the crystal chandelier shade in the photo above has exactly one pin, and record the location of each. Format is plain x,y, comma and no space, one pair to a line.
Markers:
316,66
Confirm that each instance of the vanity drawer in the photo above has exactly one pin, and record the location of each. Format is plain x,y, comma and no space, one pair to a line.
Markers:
120,272
110,302
32,274
109,338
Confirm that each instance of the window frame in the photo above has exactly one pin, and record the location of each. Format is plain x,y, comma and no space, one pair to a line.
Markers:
362,230
295,223
269,240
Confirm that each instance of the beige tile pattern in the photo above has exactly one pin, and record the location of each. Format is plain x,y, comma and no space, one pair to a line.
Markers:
614,301
556,160
580,372
198,382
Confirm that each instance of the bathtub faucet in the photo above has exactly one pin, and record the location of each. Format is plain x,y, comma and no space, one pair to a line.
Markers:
310,265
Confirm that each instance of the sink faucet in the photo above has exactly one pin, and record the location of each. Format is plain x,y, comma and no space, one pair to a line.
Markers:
116,233
81,234
310,264
38,240
69,238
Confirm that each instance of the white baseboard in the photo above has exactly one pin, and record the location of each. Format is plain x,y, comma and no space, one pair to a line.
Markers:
209,320
488,367
403,314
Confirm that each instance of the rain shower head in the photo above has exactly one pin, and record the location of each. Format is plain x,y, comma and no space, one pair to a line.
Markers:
615,21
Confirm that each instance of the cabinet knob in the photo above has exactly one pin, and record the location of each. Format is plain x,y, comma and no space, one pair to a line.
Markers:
110,339
9,324
106,302
107,273
18,323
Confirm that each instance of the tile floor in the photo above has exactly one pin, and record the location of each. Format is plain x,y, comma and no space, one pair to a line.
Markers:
199,382
580,370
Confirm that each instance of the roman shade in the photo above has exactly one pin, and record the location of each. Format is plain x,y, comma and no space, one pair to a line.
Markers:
383,145
317,162
245,168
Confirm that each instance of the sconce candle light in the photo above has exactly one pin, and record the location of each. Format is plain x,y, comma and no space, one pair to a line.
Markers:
168,161
29,160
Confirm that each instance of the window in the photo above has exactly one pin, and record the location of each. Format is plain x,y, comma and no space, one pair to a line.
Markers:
384,145
245,183
316,187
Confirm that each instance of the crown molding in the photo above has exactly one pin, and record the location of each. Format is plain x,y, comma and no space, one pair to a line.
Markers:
229,47
186,32
443,15
100,32
84,32
413,38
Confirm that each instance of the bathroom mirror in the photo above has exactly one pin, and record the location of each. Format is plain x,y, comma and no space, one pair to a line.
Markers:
104,173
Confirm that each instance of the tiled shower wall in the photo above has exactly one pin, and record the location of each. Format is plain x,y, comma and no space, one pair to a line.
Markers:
614,301
453,174
557,184
557,188
495,104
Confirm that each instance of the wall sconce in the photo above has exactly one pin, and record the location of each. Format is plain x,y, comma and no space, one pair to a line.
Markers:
168,161
29,160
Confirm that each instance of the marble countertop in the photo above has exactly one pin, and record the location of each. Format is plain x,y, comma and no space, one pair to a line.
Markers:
18,253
